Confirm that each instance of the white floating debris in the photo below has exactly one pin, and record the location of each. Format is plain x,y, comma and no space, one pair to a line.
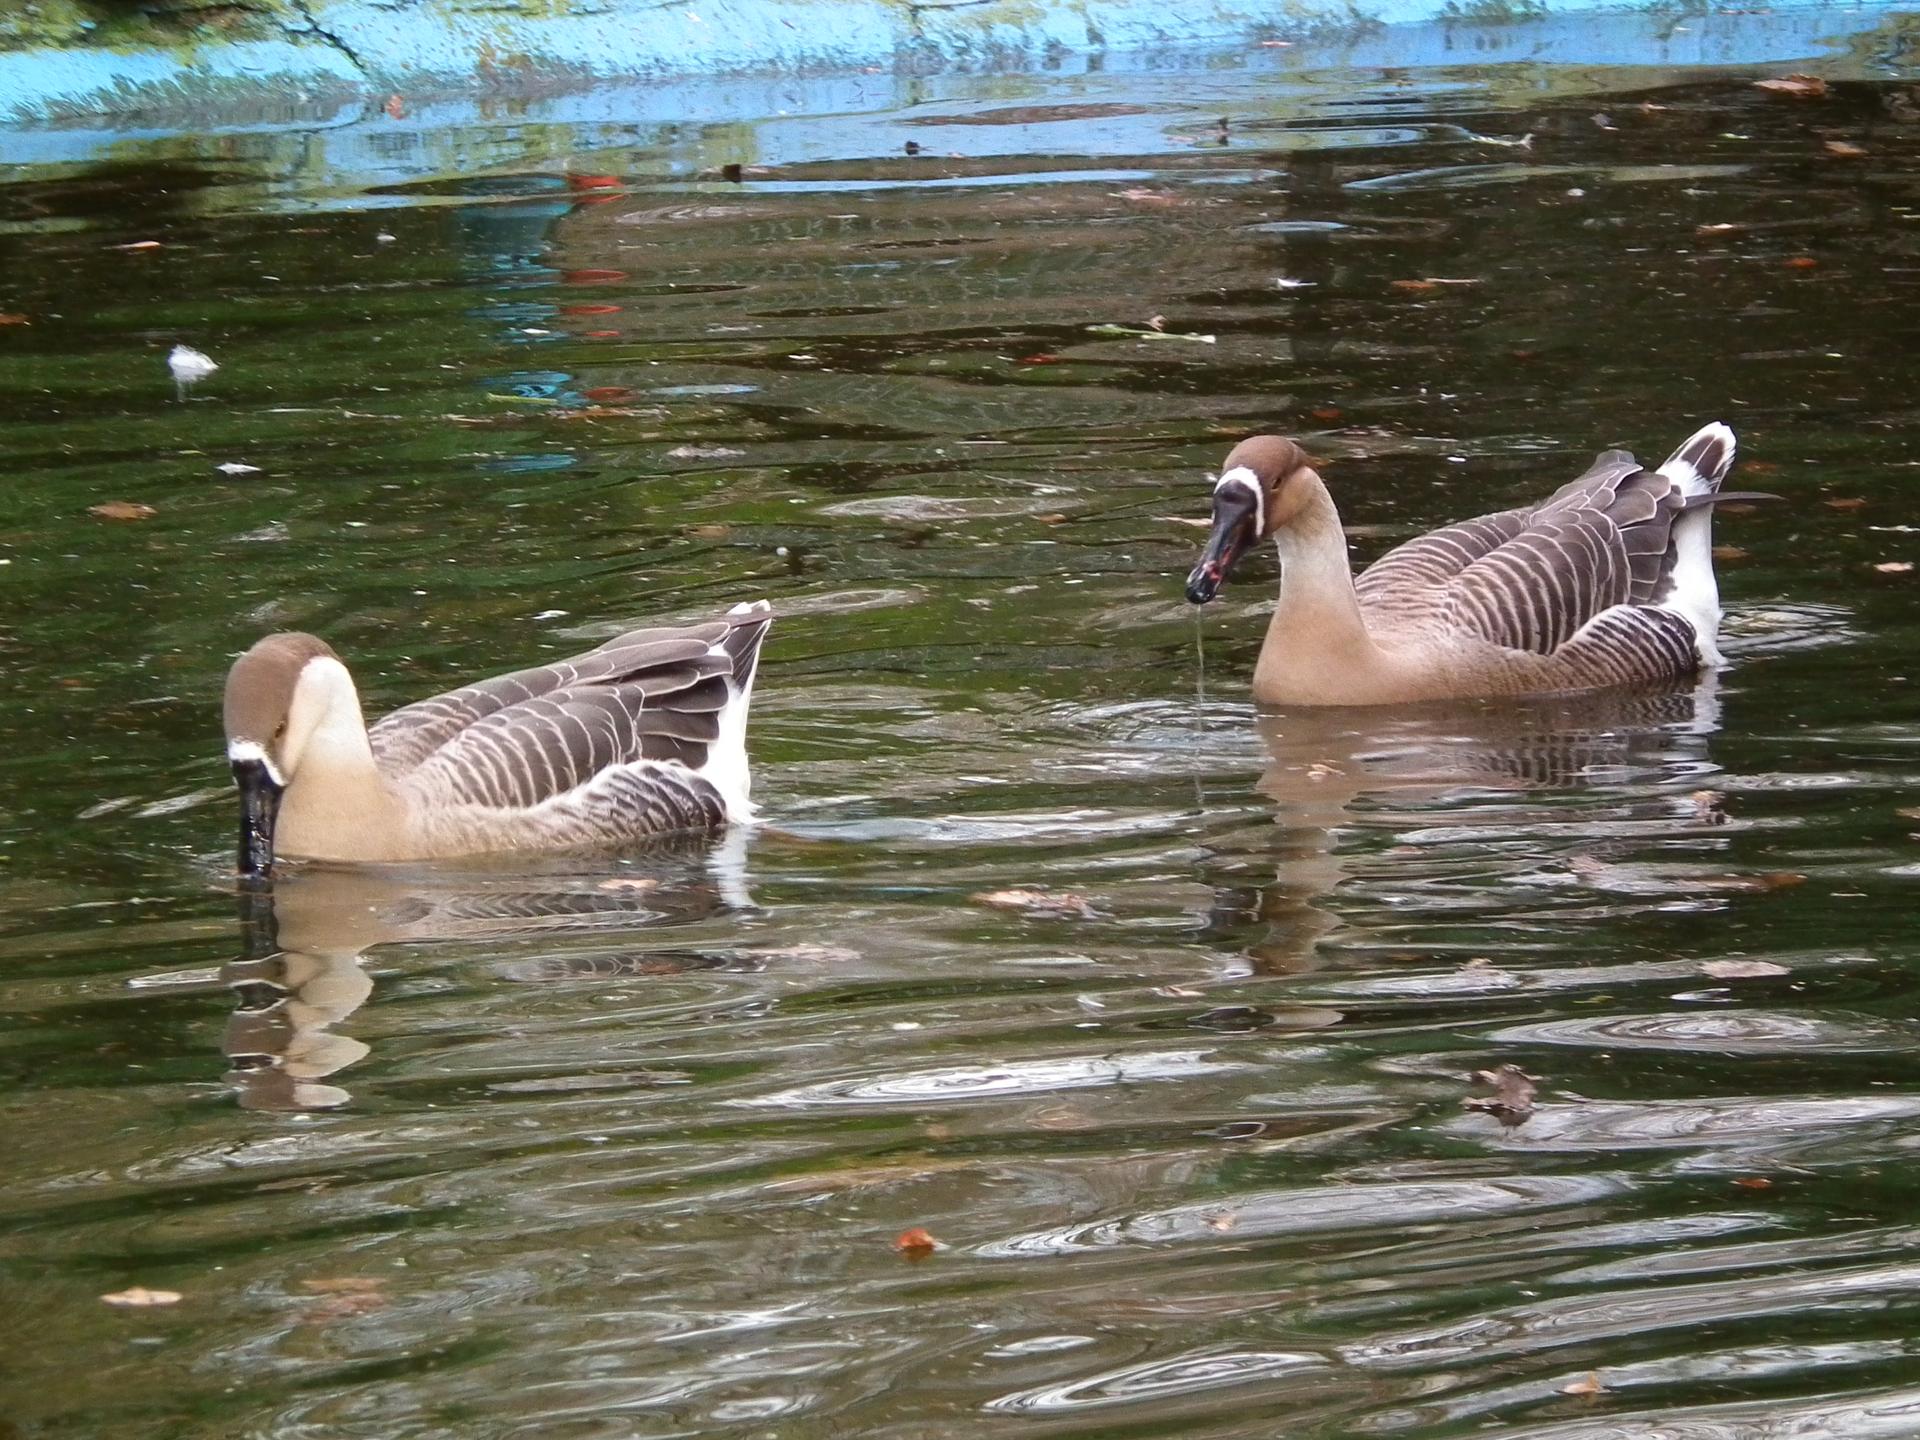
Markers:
1287,282
235,467
384,238
189,365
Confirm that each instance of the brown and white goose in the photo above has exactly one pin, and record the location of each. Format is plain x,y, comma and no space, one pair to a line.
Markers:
644,736
1608,581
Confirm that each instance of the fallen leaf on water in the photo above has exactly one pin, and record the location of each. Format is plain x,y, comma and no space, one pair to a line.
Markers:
1039,902
1223,1222
1729,552
1178,992
1844,502
1326,413
1156,322
345,1285
141,1296
1053,519
1754,1182
915,1244
1416,286
1477,962
1725,227
7,318
1894,567
1140,196
342,1298
236,467
1041,359
1742,969
1798,86
1845,150
138,245
1512,1099
1193,520
708,532
121,510
1801,262
602,394
625,883
1586,1389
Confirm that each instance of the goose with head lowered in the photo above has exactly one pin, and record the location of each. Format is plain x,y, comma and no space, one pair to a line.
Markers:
1608,581
645,735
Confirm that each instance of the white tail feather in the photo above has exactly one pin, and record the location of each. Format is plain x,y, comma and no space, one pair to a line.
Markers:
726,768
1698,467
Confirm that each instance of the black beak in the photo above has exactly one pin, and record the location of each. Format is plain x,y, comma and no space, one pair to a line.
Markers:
259,807
1235,512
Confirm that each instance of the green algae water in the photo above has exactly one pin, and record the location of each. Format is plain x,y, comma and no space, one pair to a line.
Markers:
1156,1013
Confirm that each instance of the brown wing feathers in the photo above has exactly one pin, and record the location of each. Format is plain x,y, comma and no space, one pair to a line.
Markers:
1530,579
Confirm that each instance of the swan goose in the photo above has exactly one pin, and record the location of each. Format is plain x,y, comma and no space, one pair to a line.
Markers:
643,736
1608,581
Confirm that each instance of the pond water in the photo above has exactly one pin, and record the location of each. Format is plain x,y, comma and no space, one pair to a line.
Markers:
623,1146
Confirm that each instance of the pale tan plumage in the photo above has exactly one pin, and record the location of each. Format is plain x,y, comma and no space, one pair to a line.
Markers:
643,736
1609,581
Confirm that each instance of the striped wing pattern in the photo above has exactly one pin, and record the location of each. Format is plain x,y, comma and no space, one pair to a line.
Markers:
1533,579
608,739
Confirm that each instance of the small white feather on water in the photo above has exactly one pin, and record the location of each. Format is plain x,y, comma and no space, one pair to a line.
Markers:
189,365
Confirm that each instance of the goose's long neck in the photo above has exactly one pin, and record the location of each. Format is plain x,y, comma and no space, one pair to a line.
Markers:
337,803
1317,636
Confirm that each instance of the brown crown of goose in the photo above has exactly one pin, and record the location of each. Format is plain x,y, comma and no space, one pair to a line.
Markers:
261,684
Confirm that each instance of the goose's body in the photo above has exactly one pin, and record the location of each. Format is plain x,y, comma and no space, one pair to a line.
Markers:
1608,581
643,736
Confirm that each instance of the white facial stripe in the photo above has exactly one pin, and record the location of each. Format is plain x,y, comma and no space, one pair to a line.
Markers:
242,750
1241,475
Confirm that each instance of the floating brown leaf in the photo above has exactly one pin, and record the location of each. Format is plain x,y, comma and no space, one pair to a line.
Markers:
138,245
7,318
708,532
1796,86
1039,902
1845,150
915,1244
1742,969
121,510
141,1296
1040,359
1326,414
1844,502
1894,567
1801,262
1417,287
1730,552
1156,322
629,883
1512,1099
1052,518
1754,1182
1585,1389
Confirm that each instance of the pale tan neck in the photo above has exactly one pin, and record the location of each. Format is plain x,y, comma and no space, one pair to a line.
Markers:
337,804
1317,649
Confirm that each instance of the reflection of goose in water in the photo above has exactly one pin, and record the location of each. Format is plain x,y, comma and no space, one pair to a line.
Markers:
1328,769
303,941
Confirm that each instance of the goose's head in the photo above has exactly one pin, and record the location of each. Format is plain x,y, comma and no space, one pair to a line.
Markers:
1259,491
277,694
